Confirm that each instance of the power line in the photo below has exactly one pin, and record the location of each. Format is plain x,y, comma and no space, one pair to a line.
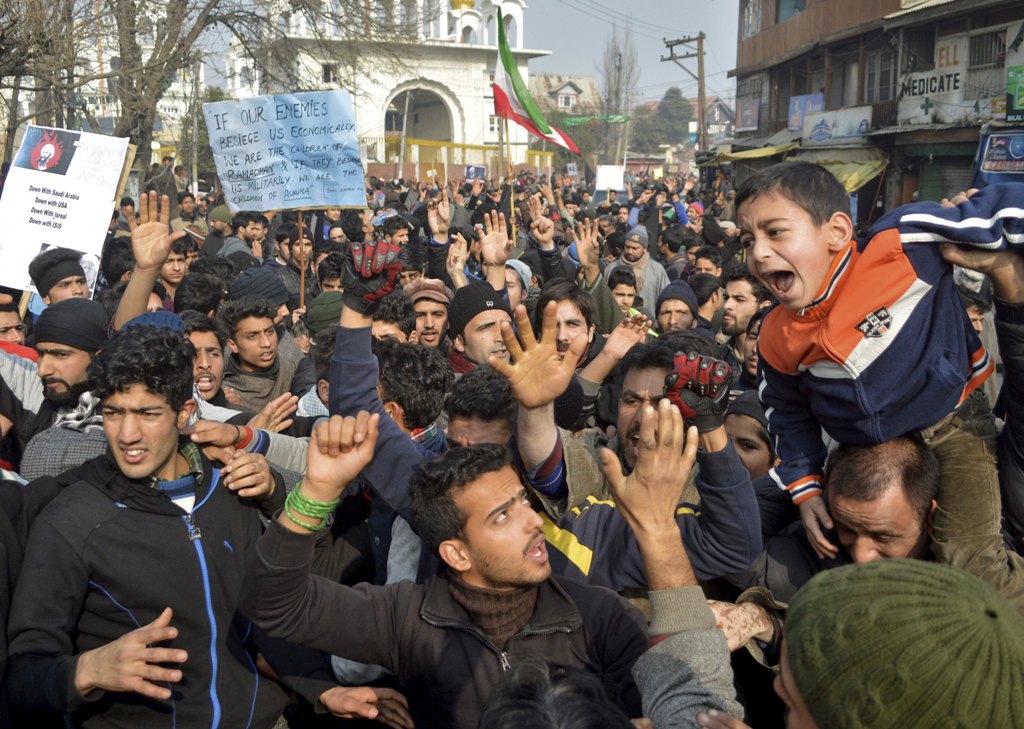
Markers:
610,21
629,19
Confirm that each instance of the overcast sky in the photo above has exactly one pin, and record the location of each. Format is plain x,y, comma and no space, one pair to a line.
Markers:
576,32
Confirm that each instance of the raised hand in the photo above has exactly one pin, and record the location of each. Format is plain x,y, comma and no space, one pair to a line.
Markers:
699,386
541,228
151,239
131,663
630,332
276,414
478,187
537,372
495,245
248,474
439,214
339,449
369,273
458,251
647,498
671,184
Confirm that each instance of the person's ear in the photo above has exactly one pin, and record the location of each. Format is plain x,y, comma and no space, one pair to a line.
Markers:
323,390
396,411
459,343
930,516
233,346
414,337
455,554
186,412
840,230
46,299
590,334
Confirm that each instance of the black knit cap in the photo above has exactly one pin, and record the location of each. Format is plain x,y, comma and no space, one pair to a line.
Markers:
470,301
78,323
261,283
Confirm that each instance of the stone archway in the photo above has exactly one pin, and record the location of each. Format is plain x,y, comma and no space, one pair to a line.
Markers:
428,115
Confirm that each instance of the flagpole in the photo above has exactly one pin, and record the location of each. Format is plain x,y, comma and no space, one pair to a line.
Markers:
511,187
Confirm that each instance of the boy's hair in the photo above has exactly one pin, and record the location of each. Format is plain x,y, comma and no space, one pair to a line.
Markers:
673,238
760,291
117,259
810,187
197,322
705,285
159,359
434,485
566,291
352,223
621,276
414,376
219,268
184,194
482,393
322,349
184,246
330,267
396,222
709,253
866,472
200,292
755,320
239,220
396,308
235,311
110,297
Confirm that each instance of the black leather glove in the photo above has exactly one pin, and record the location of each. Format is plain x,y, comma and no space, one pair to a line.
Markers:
699,386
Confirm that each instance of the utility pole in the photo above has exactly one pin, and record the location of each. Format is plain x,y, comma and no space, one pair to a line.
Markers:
697,53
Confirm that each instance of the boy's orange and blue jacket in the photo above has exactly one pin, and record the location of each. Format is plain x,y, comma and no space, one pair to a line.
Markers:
886,347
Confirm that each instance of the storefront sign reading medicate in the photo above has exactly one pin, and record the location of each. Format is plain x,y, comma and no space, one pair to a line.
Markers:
287,151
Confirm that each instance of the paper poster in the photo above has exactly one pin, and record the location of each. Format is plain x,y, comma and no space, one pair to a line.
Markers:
476,172
60,192
287,151
570,169
610,177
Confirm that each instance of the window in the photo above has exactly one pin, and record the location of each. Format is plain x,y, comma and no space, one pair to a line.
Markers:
329,73
492,124
566,101
878,81
919,50
749,86
789,8
987,50
750,21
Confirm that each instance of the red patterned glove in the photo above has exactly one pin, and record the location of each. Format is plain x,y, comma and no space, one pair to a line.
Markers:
370,274
699,386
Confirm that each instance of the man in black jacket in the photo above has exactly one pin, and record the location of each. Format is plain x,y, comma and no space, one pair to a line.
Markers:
125,610
450,640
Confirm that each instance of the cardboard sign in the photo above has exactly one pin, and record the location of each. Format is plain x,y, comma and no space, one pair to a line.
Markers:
570,169
60,192
287,151
610,177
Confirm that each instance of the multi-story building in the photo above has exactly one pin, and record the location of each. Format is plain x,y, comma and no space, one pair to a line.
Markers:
889,94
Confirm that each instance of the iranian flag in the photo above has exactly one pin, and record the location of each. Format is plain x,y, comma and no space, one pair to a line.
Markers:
512,99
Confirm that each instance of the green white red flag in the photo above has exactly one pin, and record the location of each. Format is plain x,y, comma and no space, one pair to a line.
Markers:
512,99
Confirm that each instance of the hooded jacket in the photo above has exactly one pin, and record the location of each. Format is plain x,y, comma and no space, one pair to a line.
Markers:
106,557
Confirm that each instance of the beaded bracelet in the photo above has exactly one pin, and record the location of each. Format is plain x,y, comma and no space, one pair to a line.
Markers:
303,524
308,507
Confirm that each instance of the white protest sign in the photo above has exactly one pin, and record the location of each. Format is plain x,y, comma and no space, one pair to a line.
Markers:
610,177
287,151
59,193
570,169
476,172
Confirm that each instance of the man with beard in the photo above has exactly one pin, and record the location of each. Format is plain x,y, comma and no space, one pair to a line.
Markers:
744,295
650,275
57,274
430,299
34,394
293,253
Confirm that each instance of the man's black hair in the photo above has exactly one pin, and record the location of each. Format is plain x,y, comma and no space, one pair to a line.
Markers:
436,483
184,246
704,285
352,223
755,320
219,268
485,394
395,223
982,299
321,351
159,359
709,253
126,201
673,238
866,472
328,246
10,306
239,220
183,195
197,322
116,259
810,187
539,695
414,376
198,292
622,275
232,312
687,340
396,308
760,291
330,267
110,297
566,291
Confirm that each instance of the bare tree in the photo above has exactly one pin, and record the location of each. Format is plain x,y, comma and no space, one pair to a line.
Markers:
620,71
56,48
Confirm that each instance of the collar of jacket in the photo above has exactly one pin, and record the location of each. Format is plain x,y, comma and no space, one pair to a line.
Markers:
555,611
834,280
103,474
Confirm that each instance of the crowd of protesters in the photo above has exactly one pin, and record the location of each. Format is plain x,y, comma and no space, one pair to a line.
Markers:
520,453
